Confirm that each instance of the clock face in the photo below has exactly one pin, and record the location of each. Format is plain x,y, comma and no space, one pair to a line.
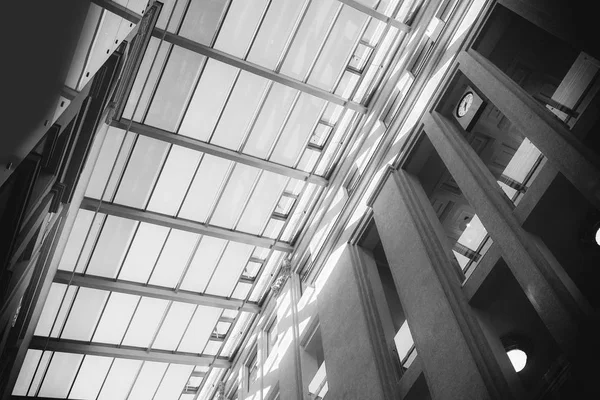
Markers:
464,104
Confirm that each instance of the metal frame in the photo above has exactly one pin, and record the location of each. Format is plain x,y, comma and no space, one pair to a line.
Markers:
375,14
157,292
208,148
137,214
231,60
127,352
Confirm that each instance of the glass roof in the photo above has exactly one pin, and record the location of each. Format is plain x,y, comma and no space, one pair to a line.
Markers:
169,200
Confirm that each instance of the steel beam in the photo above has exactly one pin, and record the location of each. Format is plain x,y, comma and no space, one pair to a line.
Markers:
127,352
157,292
375,14
218,151
150,217
228,59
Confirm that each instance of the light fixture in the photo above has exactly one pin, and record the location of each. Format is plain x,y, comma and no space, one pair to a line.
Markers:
597,234
518,358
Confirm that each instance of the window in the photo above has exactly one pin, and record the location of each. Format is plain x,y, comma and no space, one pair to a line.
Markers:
252,366
271,334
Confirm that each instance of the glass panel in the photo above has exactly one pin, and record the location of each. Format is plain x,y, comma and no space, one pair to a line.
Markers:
60,374
106,160
111,247
90,377
208,100
84,314
241,291
143,253
55,295
251,269
338,47
75,243
373,32
273,228
332,113
202,19
274,32
204,188
212,347
207,255
200,328
298,129
41,371
309,160
320,135
269,120
148,380
229,269
347,84
174,326
174,180
236,334
119,379
239,26
173,382
223,328
145,321
115,318
285,205
141,172
404,341
234,196
309,37
117,171
173,258
260,206
30,363
240,109
64,310
360,57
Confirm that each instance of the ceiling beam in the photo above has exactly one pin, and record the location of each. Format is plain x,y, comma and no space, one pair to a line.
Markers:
375,14
127,352
228,59
218,151
157,292
167,221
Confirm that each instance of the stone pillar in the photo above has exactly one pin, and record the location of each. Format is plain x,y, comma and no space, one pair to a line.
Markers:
358,359
563,150
457,360
557,306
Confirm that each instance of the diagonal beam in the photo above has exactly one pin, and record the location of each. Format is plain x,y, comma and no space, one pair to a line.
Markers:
207,148
157,292
371,12
150,217
128,352
228,59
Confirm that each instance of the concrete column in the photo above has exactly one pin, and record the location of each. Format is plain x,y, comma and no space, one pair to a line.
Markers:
357,356
457,360
557,306
563,150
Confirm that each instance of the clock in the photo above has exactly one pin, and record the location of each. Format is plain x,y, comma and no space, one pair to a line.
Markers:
468,108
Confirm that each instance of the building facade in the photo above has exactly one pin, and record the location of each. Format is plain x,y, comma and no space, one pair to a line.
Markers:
443,243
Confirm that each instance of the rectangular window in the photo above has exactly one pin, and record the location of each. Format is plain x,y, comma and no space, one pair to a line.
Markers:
271,334
252,366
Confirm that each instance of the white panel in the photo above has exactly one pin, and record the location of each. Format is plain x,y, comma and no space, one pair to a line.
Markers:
201,326
119,379
201,20
212,347
202,265
338,48
148,380
298,129
174,180
106,160
239,26
229,269
143,253
116,317
204,188
64,310
240,108
241,290
84,314
111,247
173,258
145,321
173,382
269,121
60,374
90,377
232,202
274,32
174,326
141,172
55,295
26,373
116,172
261,204
82,224
208,100
309,37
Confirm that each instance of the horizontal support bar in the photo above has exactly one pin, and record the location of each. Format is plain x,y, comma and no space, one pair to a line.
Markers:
375,14
207,148
127,352
229,320
157,292
150,217
228,59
